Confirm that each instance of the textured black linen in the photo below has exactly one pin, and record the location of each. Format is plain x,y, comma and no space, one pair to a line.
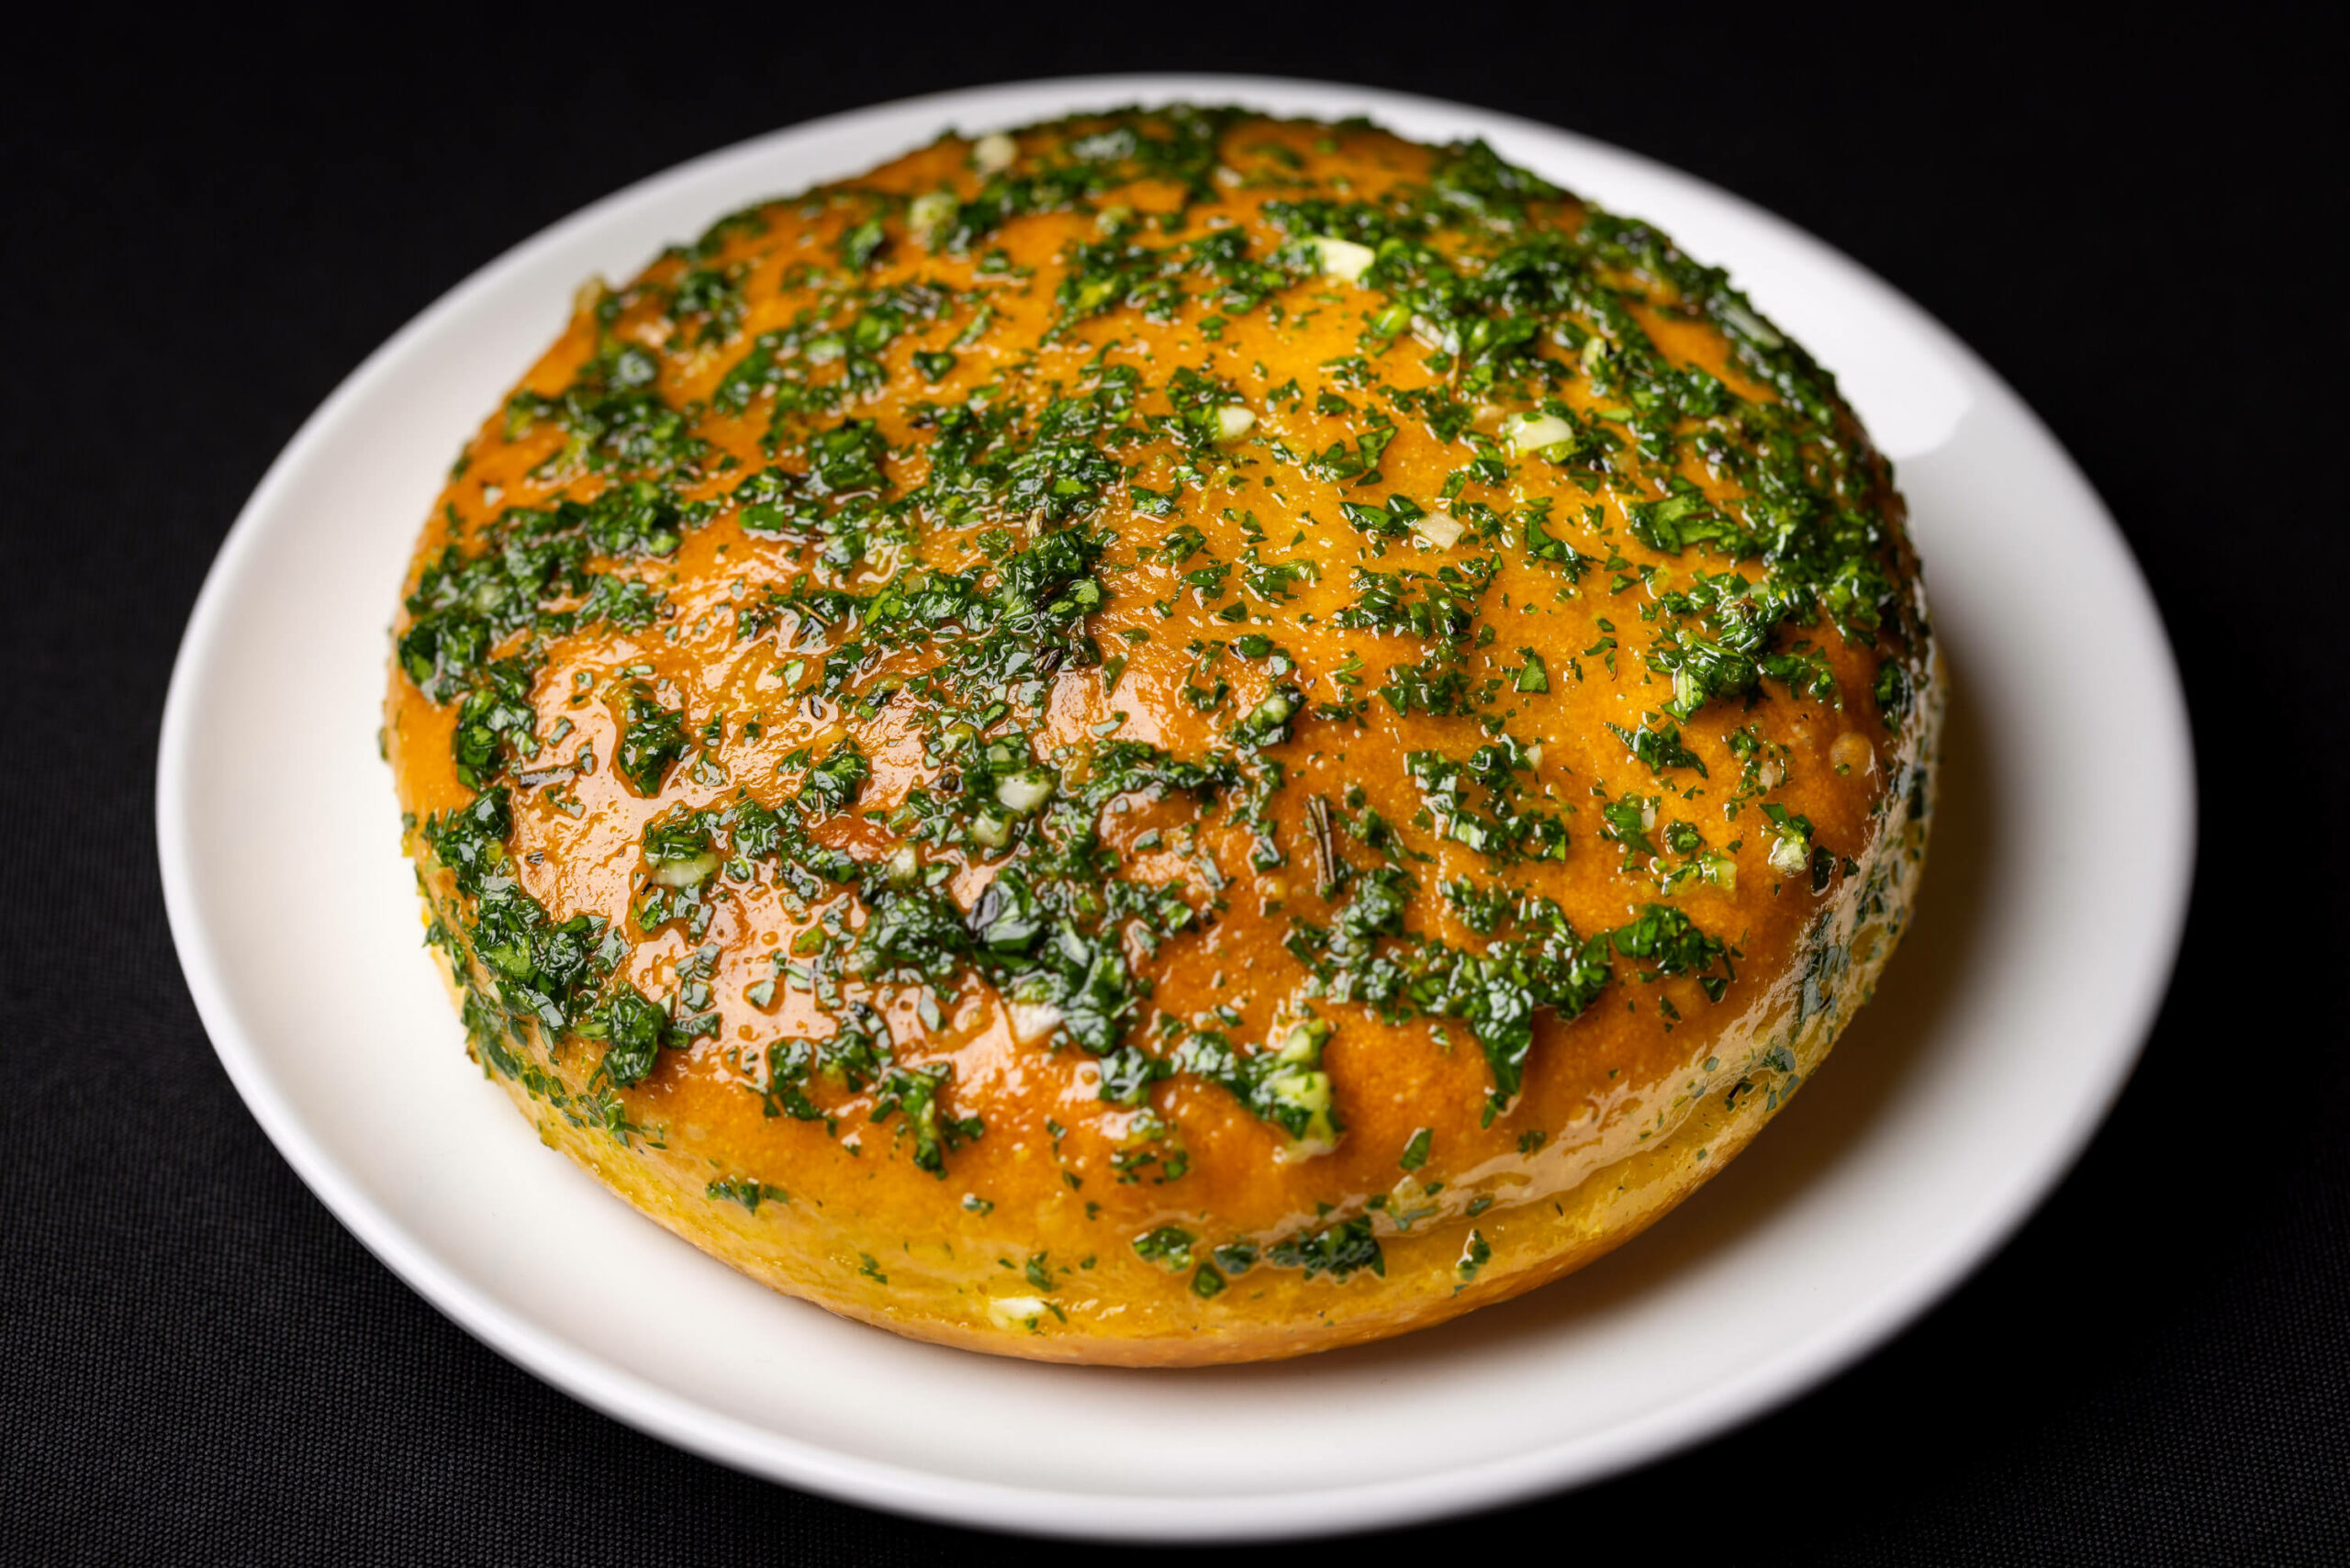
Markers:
205,227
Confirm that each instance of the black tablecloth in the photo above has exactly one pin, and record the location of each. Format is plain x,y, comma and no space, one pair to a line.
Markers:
205,229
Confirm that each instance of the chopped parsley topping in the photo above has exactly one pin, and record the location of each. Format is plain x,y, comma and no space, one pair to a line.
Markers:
936,570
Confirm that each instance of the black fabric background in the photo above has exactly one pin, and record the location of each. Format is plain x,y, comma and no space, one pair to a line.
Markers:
206,228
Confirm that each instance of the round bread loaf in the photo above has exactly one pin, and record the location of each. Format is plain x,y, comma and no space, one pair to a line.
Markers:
1173,738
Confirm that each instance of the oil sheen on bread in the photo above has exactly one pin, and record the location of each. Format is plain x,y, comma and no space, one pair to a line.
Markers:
1171,738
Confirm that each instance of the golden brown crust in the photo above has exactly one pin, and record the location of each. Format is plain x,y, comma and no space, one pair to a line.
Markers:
1022,1240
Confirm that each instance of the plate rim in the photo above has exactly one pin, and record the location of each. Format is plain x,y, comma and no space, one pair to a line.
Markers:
1859,1330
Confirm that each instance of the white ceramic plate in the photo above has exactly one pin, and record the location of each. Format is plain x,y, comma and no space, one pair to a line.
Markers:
2050,917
